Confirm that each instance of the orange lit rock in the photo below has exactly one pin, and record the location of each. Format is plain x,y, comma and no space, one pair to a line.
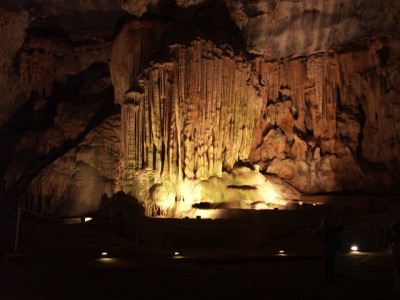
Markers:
46,59
194,116
74,183
307,91
131,51
340,104
301,28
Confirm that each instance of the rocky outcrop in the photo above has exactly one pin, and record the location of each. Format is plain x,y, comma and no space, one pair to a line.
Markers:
280,28
12,29
215,97
131,51
47,57
188,120
330,121
66,105
74,183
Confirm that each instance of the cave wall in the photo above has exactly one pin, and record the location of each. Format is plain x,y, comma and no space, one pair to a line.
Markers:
73,184
186,101
12,30
189,112
330,121
305,90
60,150
284,28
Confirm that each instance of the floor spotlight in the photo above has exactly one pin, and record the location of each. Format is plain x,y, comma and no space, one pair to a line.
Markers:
281,253
354,248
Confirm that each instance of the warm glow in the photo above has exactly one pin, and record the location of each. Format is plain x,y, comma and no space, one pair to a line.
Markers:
281,253
270,197
242,188
107,260
88,219
190,192
168,201
104,253
207,213
354,248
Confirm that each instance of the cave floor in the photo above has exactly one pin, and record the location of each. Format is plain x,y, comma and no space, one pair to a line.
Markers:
366,277
60,261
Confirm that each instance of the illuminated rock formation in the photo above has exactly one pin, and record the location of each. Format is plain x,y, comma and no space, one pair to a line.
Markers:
73,184
192,118
214,97
131,51
195,115
281,28
330,120
284,28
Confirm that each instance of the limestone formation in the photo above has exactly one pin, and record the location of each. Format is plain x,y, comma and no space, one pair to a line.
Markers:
279,28
194,116
74,183
46,58
12,26
131,50
190,104
329,121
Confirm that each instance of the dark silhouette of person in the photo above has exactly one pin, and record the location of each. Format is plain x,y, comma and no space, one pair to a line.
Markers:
331,243
392,235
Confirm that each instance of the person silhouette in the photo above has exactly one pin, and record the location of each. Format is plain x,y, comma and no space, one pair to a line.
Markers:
331,243
392,235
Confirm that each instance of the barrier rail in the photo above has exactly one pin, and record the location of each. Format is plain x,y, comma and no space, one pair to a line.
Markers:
239,232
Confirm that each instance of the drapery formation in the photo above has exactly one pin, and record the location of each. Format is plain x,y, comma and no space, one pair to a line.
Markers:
329,122
194,116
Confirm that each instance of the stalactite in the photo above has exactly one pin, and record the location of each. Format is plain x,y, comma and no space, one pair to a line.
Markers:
45,60
130,52
330,92
200,110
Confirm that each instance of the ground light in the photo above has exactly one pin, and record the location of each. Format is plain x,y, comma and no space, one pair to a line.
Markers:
281,252
177,255
106,259
354,248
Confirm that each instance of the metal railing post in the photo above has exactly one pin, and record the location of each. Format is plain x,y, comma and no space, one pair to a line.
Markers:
17,229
